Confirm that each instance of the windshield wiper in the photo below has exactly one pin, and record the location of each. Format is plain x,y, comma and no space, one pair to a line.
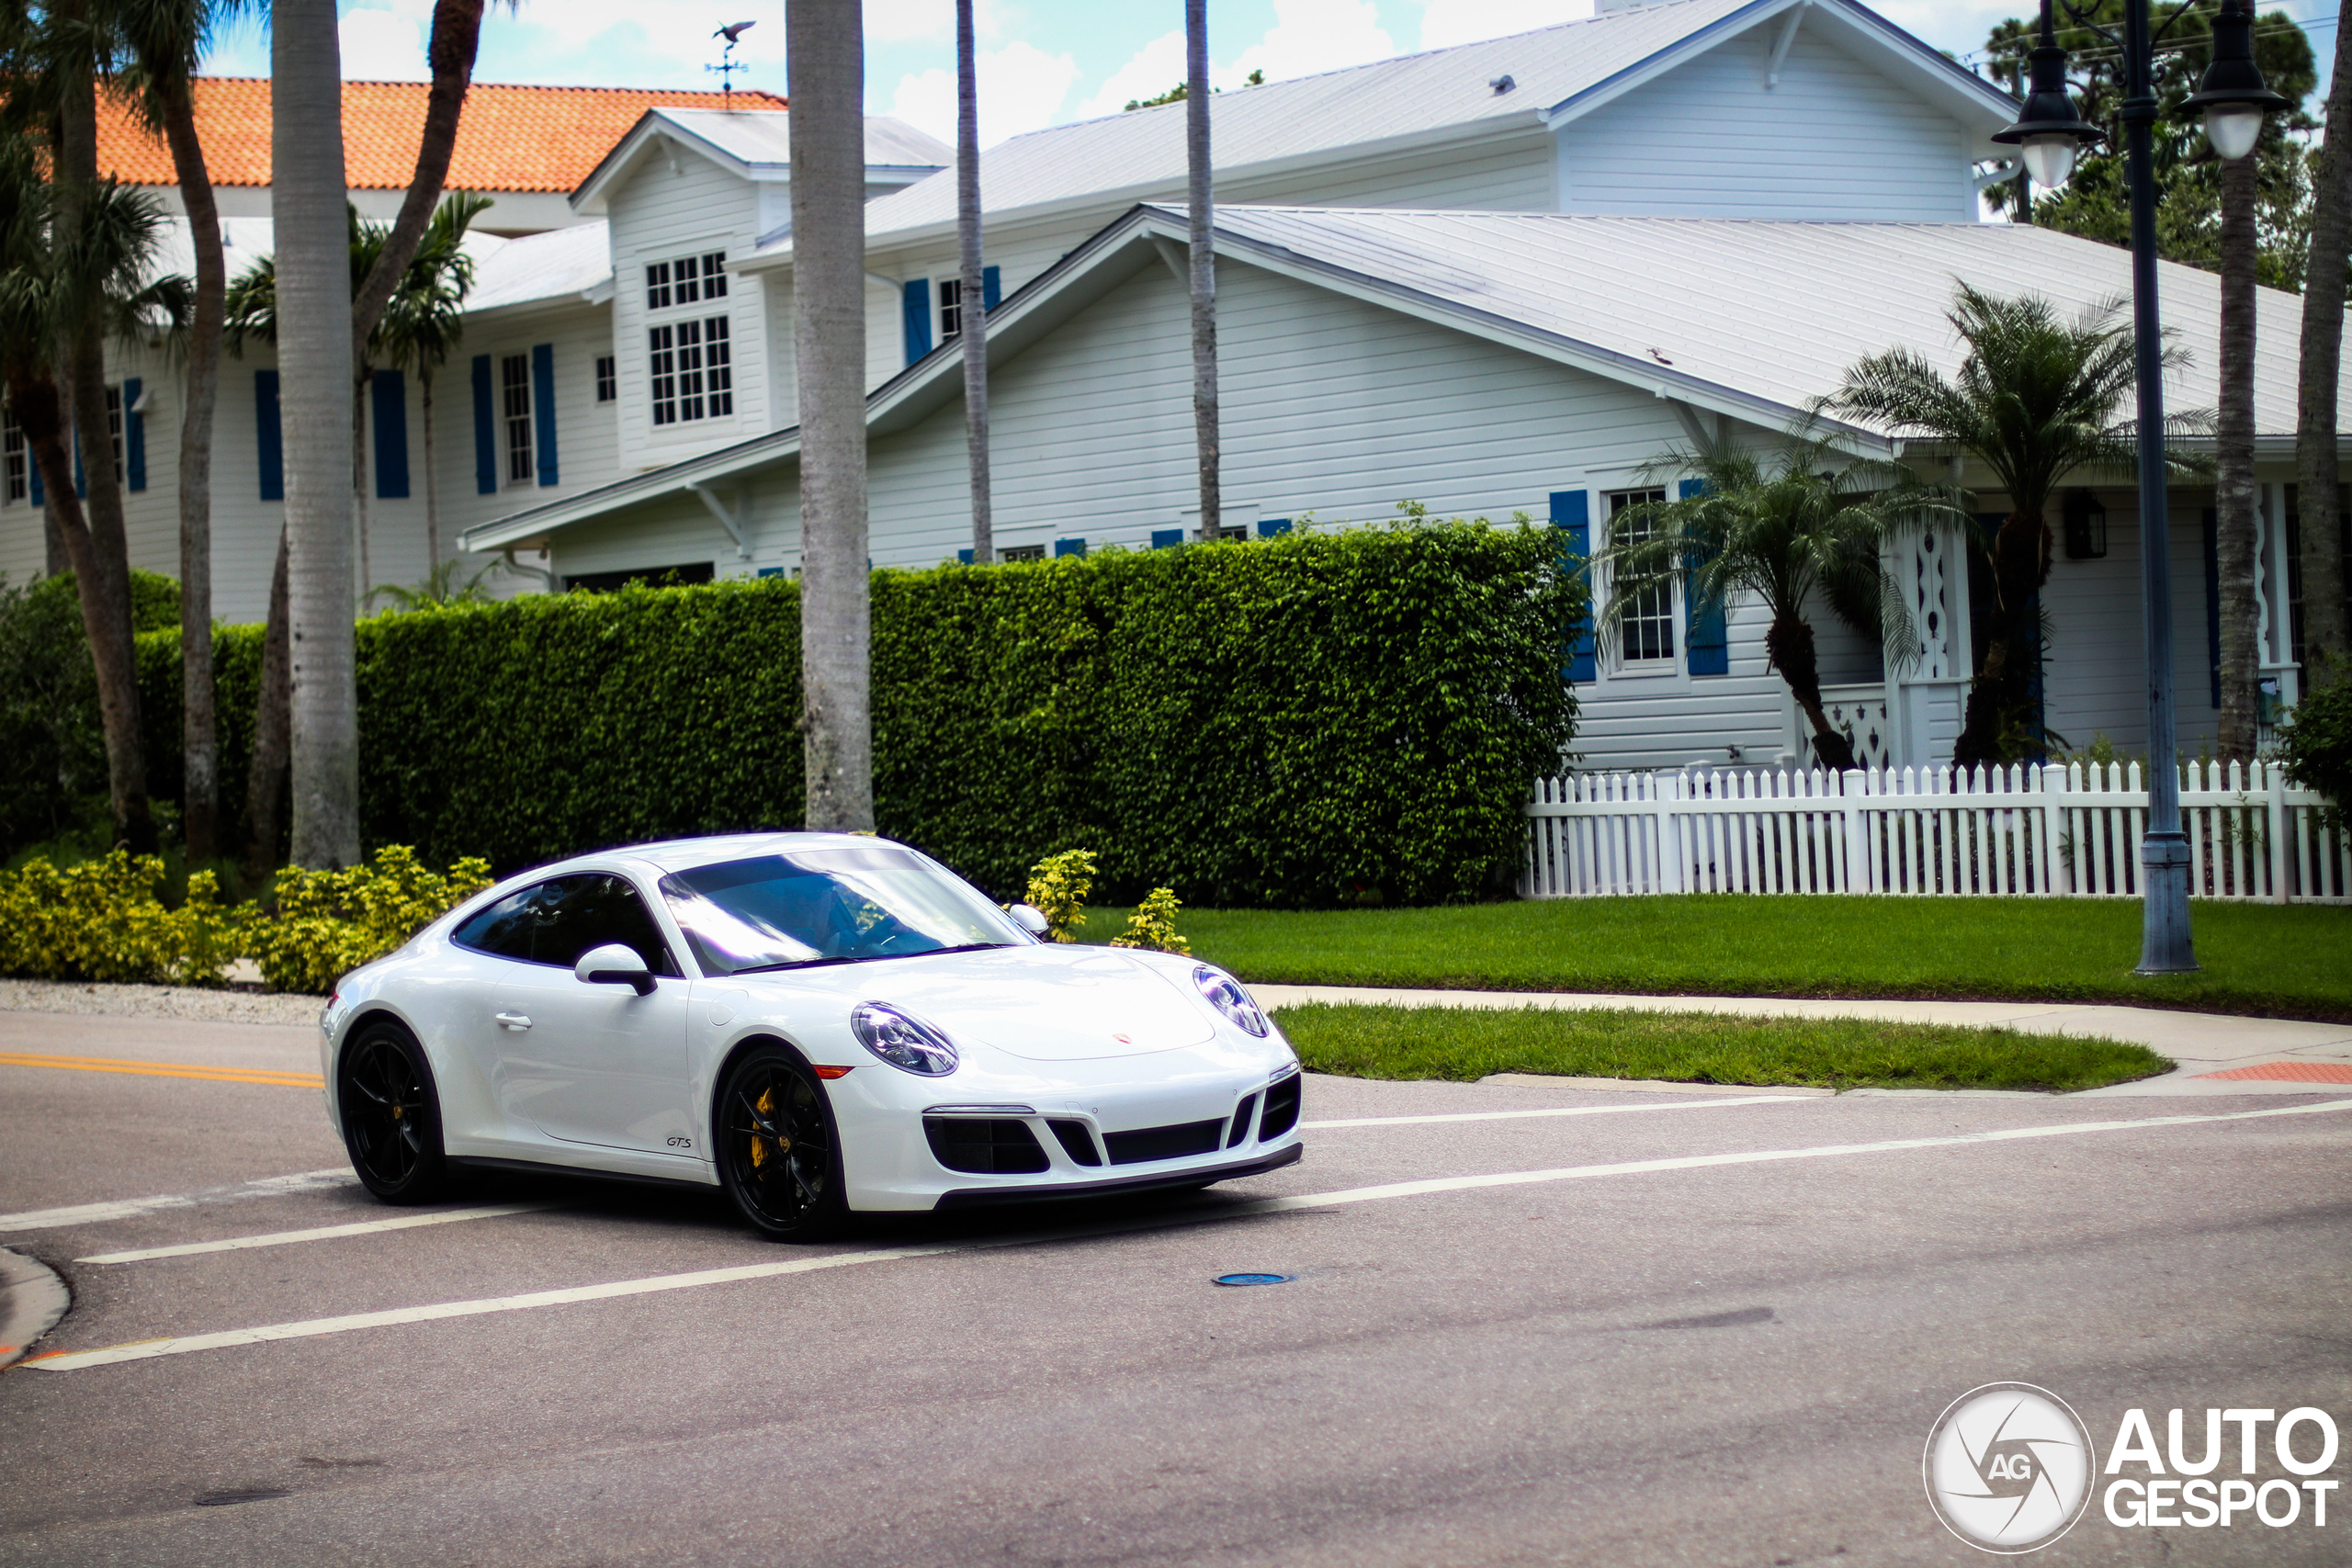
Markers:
860,958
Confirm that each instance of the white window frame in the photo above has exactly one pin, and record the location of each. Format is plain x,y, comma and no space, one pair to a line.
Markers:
114,428
16,460
608,378
1622,658
950,309
520,445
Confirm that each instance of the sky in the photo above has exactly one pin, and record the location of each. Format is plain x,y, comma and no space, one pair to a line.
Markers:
1041,62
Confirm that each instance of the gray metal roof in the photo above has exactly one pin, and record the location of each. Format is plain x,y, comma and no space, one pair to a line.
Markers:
1559,70
765,139
556,265
1770,309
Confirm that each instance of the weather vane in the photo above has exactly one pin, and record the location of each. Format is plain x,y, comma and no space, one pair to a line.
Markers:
727,64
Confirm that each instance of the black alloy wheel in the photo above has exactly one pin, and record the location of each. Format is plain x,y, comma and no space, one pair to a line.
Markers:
392,1117
777,1154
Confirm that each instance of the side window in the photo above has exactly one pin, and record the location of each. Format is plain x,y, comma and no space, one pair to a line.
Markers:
555,921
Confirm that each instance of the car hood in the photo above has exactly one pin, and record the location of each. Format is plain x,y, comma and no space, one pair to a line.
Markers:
1047,1003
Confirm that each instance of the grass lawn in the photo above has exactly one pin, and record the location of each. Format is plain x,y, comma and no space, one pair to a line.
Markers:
2276,961
1469,1042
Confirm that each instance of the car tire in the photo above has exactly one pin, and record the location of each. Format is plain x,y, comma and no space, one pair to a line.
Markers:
391,1114
779,1156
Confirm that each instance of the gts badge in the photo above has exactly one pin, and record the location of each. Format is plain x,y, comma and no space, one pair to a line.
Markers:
682,1142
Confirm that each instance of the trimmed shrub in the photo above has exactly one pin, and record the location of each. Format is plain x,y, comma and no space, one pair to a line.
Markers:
104,919
1057,888
330,922
2316,744
1317,720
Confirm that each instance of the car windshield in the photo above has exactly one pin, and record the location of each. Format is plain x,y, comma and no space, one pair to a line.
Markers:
842,906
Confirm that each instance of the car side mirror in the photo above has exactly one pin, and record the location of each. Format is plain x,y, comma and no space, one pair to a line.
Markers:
614,965
1028,918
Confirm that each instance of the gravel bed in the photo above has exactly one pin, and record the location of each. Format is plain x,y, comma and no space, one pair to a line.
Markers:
234,1006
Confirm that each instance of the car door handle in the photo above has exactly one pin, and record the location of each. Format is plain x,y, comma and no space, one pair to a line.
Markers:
514,1021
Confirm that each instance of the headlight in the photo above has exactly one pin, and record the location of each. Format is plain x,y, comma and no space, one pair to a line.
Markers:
1224,994
907,1044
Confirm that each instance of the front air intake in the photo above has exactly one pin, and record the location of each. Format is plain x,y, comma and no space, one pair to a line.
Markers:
984,1145
1164,1143
1281,1109
1077,1142
1242,1118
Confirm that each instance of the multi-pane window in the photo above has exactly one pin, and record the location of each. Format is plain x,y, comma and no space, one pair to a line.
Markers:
1021,552
657,285
114,428
689,280
18,461
951,308
1645,624
514,407
692,370
607,379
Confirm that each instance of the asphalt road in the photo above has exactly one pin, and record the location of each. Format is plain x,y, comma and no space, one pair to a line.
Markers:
1713,1359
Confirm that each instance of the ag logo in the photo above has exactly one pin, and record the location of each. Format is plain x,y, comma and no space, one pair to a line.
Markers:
2008,1467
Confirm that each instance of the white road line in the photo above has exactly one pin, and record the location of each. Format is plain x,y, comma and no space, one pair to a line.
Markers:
77,1360
320,1233
1565,1110
131,1208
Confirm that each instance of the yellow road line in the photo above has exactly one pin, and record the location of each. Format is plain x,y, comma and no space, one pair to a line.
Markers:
163,1069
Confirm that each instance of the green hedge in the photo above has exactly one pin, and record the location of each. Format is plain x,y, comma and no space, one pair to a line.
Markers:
1324,718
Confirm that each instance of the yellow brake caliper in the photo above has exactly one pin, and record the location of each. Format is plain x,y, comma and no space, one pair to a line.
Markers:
766,1108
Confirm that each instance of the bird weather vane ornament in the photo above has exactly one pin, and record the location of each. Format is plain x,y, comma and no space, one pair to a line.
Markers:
727,64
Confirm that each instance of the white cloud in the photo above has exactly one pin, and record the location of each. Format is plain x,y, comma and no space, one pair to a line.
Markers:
664,40
926,21
1446,22
1019,87
386,45
1308,37
1152,70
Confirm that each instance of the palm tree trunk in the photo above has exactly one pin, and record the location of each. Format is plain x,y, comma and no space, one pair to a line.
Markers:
199,732
2327,638
315,360
1788,641
449,54
359,479
265,782
432,488
2233,484
2000,698
826,60
102,560
1200,186
973,298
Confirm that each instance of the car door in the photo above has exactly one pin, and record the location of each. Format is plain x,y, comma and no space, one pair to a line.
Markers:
599,1063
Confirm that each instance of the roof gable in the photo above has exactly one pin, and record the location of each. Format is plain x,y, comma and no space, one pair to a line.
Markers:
755,147
510,137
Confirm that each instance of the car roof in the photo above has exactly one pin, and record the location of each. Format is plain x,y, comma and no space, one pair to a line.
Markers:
685,854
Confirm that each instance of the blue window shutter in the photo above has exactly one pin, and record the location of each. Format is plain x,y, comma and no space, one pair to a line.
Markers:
269,444
134,435
388,391
81,480
543,409
963,556
1069,546
1572,515
992,287
486,430
1167,539
1709,647
915,306
2213,600
1273,527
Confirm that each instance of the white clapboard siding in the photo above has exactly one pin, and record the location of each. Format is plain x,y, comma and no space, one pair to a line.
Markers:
2050,830
1833,139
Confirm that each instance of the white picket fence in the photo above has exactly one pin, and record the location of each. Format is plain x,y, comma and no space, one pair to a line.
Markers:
2071,830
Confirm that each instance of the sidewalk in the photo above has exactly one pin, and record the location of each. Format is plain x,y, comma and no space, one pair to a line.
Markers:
2203,1044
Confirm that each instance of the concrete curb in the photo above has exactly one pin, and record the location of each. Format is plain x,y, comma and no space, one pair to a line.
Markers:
33,1299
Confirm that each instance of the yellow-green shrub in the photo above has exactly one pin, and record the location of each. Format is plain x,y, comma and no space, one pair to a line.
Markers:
103,921
327,923
1057,888
1153,924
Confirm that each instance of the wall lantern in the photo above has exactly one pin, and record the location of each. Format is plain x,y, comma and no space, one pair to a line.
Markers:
2085,526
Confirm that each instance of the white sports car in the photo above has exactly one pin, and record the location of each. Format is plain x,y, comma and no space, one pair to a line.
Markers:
820,1024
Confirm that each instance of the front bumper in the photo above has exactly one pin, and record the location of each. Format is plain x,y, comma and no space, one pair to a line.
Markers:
1196,1175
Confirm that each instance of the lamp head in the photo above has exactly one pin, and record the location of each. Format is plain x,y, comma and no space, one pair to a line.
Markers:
2048,131
2232,94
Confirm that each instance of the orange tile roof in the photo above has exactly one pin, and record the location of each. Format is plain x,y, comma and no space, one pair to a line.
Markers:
510,137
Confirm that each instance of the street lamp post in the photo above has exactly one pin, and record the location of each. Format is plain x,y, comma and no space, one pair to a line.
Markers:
2048,133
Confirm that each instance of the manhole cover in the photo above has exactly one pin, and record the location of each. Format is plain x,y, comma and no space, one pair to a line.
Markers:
239,1495
1253,1279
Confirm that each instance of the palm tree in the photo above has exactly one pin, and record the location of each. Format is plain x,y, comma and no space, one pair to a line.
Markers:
164,38
972,298
424,320
74,259
442,585
315,364
1805,522
1200,184
826,64
2233,492
2038,397
2327,638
